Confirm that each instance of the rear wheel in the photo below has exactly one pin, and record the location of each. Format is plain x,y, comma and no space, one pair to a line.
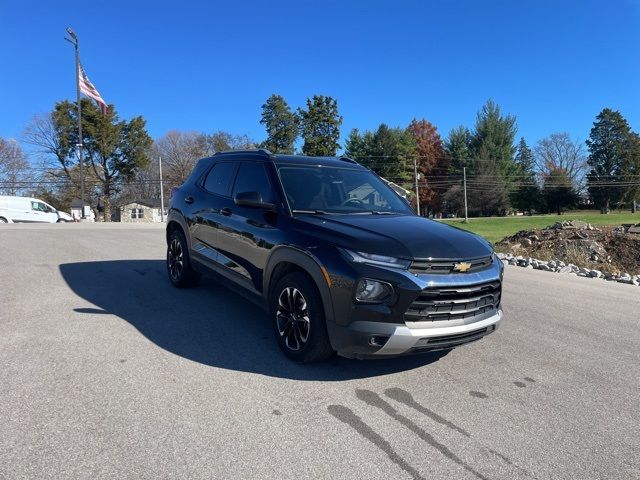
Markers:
179,267
298,319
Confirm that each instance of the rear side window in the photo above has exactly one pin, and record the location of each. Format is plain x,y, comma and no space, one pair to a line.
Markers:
252,177
219,178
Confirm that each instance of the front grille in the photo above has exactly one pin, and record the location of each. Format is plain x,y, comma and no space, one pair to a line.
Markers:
455,302
447,266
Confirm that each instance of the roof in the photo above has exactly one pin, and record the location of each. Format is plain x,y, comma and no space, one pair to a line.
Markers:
341,162
403,192
147,202
266,155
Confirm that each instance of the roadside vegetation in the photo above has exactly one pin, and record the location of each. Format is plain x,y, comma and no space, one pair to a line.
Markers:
504,172
495,229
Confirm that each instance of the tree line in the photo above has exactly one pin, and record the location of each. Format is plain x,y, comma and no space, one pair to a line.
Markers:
503,174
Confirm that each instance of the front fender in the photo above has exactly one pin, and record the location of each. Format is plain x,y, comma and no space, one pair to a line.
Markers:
307,262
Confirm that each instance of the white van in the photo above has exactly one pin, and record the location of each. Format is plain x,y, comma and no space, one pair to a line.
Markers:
31,210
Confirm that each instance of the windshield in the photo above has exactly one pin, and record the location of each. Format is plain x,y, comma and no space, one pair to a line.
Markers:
318,189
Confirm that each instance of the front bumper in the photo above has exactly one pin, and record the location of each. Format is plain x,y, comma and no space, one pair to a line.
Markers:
403,339
378,331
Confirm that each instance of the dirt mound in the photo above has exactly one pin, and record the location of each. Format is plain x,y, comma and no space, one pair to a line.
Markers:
609,249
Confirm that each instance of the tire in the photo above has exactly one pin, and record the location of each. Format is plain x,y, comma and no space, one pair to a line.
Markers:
298,319
179,269
3,220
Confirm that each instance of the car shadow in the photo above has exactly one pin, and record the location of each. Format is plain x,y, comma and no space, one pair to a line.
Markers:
209,324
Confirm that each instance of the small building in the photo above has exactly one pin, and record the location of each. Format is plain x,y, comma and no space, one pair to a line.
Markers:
76,207
140,211
403,192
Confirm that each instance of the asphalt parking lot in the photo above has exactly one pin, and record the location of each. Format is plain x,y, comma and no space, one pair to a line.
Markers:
110,372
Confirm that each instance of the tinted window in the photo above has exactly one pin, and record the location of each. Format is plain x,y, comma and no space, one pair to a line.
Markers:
219,178
252,177
339,190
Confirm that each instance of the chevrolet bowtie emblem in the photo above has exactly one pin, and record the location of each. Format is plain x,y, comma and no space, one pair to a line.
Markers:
462,267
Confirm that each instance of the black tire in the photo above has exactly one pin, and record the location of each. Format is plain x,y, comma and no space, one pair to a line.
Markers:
179,269
298,319
3,220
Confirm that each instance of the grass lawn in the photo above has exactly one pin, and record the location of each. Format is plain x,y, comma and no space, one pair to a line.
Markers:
495,229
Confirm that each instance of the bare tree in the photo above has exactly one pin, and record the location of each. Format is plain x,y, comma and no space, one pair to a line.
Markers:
220,141
53,152
179,151
558,152
146,184
14,167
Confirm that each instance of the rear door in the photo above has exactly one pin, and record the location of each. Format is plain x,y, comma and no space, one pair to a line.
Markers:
208,204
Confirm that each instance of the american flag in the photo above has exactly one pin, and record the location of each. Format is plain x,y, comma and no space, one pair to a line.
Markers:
89,90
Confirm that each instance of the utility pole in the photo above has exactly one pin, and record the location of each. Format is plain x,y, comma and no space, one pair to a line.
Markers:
415,174
466,213
74,41
161,191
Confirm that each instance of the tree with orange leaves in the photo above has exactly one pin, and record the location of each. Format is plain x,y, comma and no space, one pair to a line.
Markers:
433,162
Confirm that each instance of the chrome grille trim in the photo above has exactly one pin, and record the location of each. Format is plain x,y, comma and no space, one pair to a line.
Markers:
440,267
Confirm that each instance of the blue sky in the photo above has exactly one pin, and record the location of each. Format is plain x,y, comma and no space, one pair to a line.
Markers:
206,66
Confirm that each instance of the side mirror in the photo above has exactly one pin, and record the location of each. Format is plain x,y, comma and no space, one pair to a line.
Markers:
252,200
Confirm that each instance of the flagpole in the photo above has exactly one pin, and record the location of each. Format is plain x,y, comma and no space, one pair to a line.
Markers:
79,145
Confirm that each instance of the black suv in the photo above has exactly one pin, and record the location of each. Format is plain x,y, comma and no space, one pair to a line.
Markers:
336,256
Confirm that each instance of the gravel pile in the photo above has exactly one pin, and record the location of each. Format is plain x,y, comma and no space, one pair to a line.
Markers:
559,266
603,252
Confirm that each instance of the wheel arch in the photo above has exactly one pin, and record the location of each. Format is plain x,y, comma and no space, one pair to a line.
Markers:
177,222
286,259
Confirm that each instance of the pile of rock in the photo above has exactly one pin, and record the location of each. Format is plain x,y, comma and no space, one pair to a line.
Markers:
572,225
559,266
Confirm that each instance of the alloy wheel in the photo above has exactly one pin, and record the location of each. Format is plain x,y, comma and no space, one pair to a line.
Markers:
293,318
176,259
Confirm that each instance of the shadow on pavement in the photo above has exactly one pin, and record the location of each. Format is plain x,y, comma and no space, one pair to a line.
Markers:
208,324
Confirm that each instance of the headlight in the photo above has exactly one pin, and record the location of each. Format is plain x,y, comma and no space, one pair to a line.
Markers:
372,291
373,259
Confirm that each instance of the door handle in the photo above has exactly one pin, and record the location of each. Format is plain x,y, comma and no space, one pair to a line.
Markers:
226,211
188,200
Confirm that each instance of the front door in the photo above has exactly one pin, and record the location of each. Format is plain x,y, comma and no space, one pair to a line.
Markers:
42,213
246,234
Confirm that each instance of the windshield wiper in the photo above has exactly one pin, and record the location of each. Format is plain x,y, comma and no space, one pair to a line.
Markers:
383,212
312,212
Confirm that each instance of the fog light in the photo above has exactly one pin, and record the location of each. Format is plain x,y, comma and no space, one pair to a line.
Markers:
378,341
372,291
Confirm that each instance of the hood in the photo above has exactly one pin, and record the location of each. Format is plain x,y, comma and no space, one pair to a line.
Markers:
403,236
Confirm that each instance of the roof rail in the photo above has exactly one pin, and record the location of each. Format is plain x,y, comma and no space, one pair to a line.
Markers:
261,151
344,158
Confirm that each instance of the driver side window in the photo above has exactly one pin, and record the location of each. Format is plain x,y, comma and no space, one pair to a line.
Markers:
252,177
38,207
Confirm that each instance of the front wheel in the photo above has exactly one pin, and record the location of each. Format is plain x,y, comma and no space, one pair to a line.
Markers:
3,220
298,319
179,267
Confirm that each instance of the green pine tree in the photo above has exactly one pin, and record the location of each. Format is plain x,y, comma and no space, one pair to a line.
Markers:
281,125
320,126
614,157
526,193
